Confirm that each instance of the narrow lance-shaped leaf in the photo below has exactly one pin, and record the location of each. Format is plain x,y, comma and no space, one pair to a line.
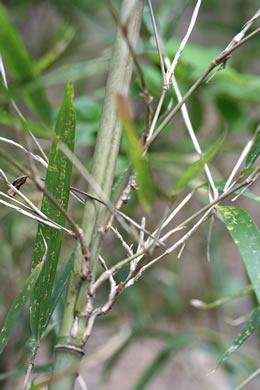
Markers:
23,370
174,344
195,168
247,193
60,286
248,329
246,236
254,152
21,65
144,181
18,305
221,301
57,183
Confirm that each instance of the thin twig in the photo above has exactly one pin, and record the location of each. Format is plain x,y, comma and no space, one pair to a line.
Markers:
249,379
41,220
170,71
2,71
124,244
192,134
243,155
35,156
215,62
206,210
157,40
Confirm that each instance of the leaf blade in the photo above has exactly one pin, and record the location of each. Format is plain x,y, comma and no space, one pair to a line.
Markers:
18,305
57,183
145,188
61,284
174,344
248,329
254,152
195,168
246,237
21,65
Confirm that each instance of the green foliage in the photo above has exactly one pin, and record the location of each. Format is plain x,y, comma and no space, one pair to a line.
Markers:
229,83
57,183
75,47
248,329
174,344
145,189
21,65
246,236
18,305
254,151
23,370
60,287
247,193
195,168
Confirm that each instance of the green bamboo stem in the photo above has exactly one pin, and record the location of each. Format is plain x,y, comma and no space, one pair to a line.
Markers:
103,170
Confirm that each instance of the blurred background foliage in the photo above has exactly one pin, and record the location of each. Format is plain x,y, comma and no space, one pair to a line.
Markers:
46,43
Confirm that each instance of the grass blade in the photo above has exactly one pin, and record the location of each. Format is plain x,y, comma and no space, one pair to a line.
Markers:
254,152
18,305
246,236
195,168
57,183
23,370
221,301
21,65
247,193
248,329
60,287
174,344
144,181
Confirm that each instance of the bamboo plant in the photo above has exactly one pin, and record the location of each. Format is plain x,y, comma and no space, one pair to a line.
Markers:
86,270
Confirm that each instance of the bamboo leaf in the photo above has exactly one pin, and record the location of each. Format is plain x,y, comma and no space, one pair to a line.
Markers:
23,370
21,65
221,301
254,151
174,344
18,305
57,183
246,236
195,168
60,287
144,181
247,193
248,329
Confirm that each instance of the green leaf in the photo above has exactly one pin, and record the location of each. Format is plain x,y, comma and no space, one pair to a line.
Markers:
195,168
8,120
144,181
57,183
229,82
247,193
62,40
232,112
248,329
60,287
254,151
246,236
23,370
174,344
14,52
21,65
221,301
196,110
115,358
18,305
76,71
